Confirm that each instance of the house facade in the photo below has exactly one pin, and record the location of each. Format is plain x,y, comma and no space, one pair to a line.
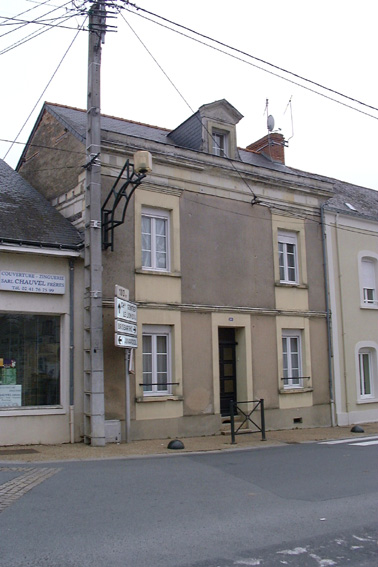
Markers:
41,329
222,252
351,228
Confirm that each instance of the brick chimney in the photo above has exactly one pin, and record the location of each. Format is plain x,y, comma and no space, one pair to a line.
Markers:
271,146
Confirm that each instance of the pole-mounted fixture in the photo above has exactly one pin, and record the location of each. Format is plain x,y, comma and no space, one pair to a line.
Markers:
135,173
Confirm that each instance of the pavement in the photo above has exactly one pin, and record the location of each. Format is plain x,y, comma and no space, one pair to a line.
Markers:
134,449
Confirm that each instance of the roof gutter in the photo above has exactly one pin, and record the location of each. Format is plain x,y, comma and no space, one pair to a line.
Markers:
14,245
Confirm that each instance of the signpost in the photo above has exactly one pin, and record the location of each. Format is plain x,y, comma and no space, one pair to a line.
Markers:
125,336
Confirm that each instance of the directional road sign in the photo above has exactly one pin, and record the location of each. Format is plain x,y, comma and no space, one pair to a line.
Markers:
125,341
125,310
125,328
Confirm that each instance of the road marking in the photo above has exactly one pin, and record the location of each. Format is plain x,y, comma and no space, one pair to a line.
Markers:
365,443
13,489
351,441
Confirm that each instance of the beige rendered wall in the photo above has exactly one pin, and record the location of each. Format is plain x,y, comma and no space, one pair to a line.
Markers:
353,325
265,370
315,265
226,252
197,364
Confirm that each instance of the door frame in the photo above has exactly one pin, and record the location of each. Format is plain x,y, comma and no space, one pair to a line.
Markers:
242,325
225,398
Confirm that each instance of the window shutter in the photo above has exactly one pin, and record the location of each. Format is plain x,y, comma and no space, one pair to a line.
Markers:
368,275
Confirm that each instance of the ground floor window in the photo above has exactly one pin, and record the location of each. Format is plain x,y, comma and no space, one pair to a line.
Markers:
367,372
29,360
156,360
292,359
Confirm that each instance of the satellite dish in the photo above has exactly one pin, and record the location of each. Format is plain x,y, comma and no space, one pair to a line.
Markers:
270,123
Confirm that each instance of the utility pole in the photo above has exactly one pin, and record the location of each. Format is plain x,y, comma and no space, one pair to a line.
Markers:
94,404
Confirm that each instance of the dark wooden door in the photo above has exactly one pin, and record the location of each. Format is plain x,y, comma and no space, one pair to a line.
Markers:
227,368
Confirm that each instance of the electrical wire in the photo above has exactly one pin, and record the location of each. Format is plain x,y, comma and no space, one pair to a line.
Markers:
44,90
37,33
187,103
139,9
276,207
40,146
27,22
18,15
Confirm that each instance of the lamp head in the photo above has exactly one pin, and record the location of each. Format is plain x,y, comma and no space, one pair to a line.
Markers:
142,162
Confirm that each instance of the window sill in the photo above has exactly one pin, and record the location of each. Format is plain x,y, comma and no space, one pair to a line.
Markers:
25,411
291,284
368,306
285,391
367,401
168,398
158,273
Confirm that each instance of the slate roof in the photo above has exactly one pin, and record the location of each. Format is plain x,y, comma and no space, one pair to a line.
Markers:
75,120
354,200
26,217
186,135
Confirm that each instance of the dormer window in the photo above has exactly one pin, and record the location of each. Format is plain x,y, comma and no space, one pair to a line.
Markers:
220,143
212,129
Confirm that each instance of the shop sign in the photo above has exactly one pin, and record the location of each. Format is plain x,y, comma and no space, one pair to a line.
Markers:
10,396
32,283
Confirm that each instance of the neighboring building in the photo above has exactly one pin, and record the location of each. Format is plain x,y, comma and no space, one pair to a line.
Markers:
221,249
41,393
351,228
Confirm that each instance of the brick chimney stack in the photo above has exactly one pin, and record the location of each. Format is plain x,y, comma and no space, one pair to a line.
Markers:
271,146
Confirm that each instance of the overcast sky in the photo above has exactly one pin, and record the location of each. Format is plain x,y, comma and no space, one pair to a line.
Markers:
153,75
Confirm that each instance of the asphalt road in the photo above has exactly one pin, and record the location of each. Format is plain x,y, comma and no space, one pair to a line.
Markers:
297,505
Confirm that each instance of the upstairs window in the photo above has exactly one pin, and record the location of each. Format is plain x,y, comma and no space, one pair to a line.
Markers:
220,143
368,280
292,359
287,257
155,239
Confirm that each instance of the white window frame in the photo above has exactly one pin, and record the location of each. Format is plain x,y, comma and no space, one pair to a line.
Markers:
368,272
290,381
220,143
154,215
367,353
286,239
155,331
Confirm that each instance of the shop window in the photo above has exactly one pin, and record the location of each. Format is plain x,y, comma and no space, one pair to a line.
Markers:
29,360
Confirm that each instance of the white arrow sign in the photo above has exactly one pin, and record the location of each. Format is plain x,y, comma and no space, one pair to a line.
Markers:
125,341
125,328
125,310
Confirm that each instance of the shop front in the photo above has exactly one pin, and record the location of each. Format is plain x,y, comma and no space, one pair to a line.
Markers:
40,347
